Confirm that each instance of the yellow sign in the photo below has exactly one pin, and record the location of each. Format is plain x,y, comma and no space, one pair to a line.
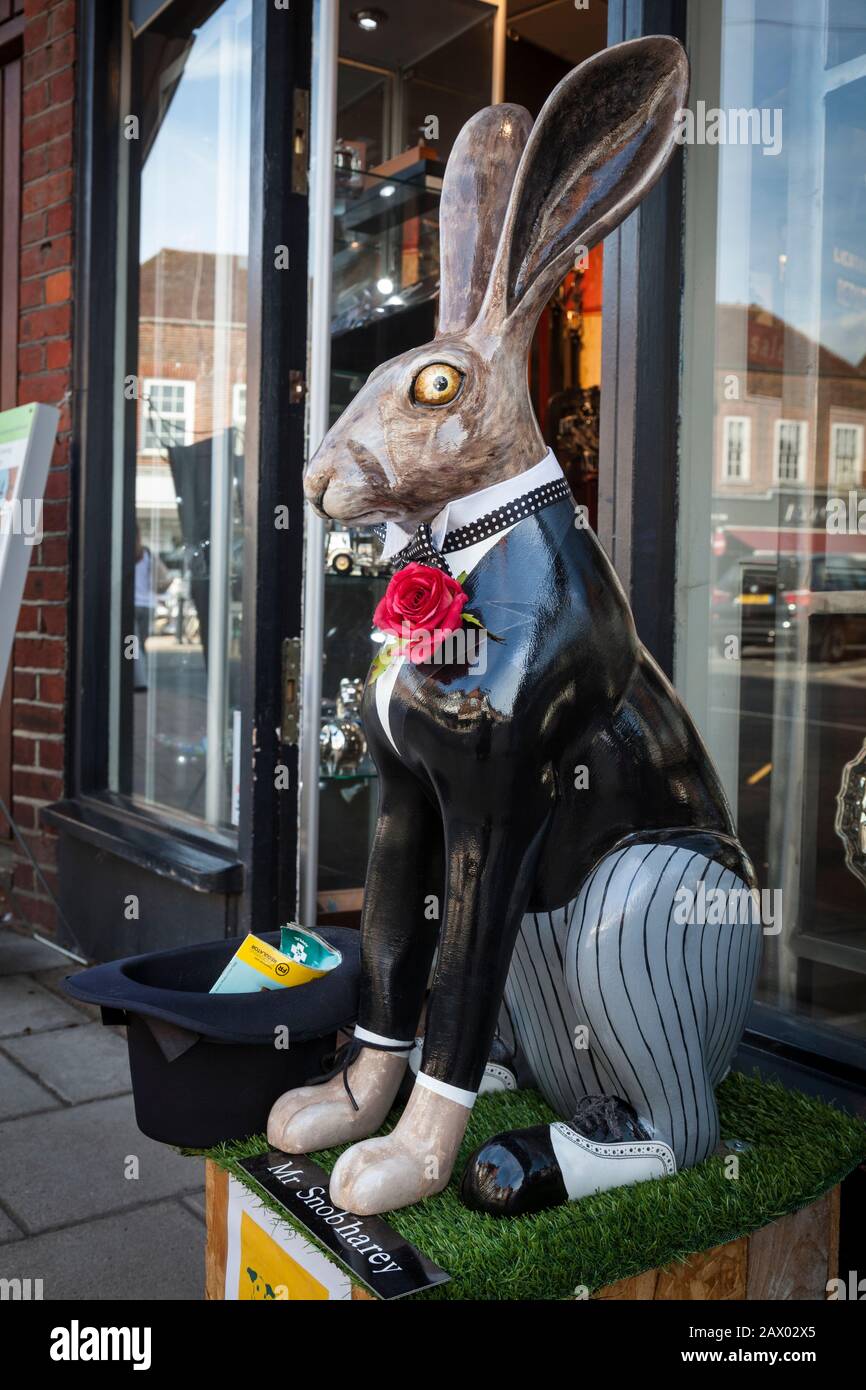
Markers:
267,1272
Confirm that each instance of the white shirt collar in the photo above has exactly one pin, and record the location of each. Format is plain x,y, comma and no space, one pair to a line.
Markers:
463,510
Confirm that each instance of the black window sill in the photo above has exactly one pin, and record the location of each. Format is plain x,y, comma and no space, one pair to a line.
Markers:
155,847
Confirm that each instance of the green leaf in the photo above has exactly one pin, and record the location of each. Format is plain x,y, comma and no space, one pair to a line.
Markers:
471,618
461,577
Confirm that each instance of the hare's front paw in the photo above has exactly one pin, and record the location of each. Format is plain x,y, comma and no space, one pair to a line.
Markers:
414,1161
315,1117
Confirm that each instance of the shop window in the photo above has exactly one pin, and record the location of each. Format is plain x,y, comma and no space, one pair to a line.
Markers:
178,533
790,451
846,455
771,577
735,453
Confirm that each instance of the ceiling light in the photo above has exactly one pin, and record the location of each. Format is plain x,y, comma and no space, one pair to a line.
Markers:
385,286
369,19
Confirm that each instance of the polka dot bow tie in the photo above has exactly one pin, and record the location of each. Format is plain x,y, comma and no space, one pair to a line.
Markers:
423,549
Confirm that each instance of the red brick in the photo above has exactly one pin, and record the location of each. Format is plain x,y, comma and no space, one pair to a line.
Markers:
34,100
36,718
24,685
52,689
62,86
37,25
35,66
52,189
58,353
46,124
52,619
48,586
58,219
48,254
61,53
55,518
47,387
40,653
26,815
54,321
28,618
24,751
31,294
58,287
51,754
45,159
63,18
54,550
58,484
42,786
35,227
31,359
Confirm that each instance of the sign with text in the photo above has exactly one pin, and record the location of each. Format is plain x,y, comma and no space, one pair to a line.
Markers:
374,1253
26,442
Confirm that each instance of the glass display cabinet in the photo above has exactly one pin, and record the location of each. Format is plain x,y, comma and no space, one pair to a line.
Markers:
402,93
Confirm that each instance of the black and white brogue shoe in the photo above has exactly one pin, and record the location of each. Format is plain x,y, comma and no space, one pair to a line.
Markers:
529,1170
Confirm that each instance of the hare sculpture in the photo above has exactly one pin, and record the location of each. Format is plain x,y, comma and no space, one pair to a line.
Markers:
546,792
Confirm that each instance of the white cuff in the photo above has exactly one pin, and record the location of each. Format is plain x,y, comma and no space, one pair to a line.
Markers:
442,1088
399,1045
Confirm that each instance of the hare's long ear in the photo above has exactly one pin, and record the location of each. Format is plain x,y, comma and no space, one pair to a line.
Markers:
602,139
475,193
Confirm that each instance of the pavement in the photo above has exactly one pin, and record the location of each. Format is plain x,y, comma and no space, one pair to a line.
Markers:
88,1204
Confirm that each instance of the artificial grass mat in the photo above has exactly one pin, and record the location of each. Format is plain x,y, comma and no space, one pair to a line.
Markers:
798,1148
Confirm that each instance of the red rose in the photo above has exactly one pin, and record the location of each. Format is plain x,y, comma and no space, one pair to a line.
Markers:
419,601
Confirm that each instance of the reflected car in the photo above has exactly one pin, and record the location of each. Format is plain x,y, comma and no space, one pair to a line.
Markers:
765,599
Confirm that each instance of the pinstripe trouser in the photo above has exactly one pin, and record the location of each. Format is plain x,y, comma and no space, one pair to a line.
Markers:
614,994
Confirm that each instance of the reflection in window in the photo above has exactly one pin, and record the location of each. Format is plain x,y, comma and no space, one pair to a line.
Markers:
771,654
180,470
846,455
790,451
736,449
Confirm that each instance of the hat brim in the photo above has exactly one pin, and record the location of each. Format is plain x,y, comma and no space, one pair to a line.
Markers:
173,986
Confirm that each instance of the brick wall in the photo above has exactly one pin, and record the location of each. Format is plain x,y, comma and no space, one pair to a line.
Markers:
44,374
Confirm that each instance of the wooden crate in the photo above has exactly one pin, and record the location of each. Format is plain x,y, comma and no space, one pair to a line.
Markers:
793,1258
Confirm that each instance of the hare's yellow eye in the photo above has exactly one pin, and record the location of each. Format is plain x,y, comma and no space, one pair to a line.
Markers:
437,384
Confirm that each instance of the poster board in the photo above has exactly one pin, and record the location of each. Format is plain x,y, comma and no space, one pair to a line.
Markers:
267,1260
27,436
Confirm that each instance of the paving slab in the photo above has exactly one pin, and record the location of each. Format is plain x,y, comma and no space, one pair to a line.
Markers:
53,981
8,1229
26,1007
196,1205
155,1252
71,1164
87,1063
19,1093
21,955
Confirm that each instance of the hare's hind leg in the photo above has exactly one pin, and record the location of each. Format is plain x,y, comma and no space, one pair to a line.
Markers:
663,989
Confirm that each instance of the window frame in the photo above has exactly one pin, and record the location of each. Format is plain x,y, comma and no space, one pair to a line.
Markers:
188,414
745,476
833,470
259,863
802,452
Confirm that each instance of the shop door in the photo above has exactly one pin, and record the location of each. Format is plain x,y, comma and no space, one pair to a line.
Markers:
11,28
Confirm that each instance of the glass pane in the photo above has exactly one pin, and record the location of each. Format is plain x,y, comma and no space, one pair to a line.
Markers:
388,167
177,696
772,546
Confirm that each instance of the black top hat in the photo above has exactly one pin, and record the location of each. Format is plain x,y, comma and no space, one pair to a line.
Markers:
207,1067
